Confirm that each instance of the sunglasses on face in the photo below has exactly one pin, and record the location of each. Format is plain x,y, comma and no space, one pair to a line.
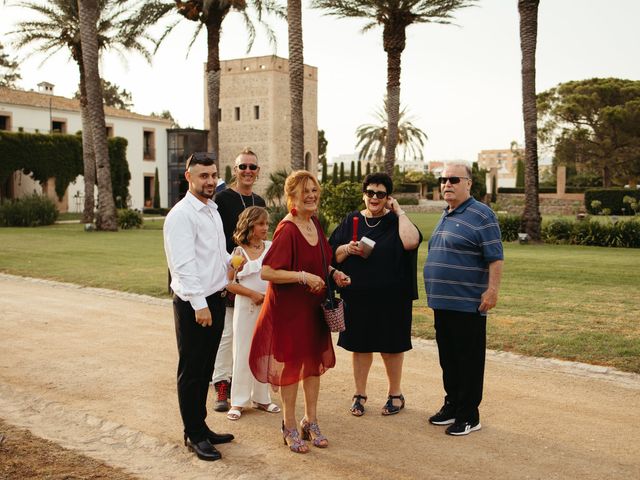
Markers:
250,166
372,193
451,180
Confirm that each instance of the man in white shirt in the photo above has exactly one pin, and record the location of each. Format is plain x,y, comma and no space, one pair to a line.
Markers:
194,243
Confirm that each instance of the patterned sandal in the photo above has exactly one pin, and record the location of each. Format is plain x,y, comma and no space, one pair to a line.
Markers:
311,431
391,409
357,409
292,439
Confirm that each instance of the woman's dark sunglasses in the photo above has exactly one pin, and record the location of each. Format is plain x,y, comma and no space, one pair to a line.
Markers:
243,166
452,180
372,193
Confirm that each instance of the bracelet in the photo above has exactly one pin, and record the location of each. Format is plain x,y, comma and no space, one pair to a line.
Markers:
400,214
333,272
302,277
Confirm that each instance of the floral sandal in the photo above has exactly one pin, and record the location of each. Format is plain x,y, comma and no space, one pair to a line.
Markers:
291,437
391,409
357,408
311,431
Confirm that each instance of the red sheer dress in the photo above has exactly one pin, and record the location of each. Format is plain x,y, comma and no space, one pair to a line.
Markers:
291,341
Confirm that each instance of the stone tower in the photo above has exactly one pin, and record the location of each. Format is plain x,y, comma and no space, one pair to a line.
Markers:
255,112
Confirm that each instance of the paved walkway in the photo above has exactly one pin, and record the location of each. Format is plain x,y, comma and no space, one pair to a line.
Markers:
94,370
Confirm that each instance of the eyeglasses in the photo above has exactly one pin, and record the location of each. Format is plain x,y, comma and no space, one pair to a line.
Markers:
372,193
452,180
244,166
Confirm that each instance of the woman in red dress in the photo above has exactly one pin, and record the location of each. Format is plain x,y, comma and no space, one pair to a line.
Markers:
291,342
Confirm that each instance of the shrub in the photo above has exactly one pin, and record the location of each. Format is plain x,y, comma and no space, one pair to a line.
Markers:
557,231
128,218
338,200
611,198
509,227
408,201
33,211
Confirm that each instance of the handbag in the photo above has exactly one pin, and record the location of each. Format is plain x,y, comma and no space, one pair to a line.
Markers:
332,307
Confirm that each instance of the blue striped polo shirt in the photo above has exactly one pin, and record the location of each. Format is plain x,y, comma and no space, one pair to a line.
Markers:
463,244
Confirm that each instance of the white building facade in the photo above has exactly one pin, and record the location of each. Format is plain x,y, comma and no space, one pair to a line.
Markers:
36,112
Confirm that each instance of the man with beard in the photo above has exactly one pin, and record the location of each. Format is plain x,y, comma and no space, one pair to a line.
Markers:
194,244
462,276
231,203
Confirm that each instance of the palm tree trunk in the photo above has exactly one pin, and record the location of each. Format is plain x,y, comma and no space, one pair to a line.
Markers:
214,27
88,157
394,40
88,15
296,82
528,10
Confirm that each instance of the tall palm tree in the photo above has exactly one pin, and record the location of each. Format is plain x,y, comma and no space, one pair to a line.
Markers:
531,219
210,14
394,16
372,138
59,28
89,13
296,82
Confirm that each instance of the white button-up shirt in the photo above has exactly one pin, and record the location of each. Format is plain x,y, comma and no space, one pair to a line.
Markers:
196,250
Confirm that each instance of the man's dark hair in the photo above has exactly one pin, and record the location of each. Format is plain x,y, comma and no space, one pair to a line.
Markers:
379,178
200,158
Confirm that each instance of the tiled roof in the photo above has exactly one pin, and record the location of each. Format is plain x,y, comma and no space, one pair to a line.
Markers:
41,100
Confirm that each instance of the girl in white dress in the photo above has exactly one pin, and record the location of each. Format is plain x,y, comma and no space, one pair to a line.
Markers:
251,237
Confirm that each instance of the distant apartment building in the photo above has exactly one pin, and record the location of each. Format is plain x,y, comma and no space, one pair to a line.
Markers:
505,161
255,111
44,112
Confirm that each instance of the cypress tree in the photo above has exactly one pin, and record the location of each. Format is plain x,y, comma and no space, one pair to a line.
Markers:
359,172
228,175
368,169
156,191
341,172
324,170
352,172
334,177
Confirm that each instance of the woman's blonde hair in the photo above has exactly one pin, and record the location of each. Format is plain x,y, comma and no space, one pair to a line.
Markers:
247,219
294,186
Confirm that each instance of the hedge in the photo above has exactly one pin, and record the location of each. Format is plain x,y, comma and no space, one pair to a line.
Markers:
45,156
610,198
521,190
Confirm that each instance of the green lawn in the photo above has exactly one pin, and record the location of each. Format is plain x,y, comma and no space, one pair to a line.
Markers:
575,303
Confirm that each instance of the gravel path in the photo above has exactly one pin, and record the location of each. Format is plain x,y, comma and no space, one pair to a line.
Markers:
94,371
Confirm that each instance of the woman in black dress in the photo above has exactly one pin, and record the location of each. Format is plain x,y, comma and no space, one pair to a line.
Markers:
378,303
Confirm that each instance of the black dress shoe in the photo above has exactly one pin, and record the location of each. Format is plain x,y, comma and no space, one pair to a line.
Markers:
218,438
204,450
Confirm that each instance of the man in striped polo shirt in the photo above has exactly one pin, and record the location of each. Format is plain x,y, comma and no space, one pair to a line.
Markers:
462,276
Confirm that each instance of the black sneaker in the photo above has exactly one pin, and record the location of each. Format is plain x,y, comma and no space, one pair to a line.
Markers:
446,416
463,428
222,391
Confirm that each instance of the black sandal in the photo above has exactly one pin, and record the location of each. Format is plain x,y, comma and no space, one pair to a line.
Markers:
357,409
389,408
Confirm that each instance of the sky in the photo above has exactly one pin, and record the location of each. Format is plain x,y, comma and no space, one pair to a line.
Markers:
461,83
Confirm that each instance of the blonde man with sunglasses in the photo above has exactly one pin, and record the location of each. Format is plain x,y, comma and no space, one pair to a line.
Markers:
231,203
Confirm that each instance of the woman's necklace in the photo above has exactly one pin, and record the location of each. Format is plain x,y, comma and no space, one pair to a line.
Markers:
244,205
308,226
371,226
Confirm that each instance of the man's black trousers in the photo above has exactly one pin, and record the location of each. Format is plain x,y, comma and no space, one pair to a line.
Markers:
197,347
461,338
